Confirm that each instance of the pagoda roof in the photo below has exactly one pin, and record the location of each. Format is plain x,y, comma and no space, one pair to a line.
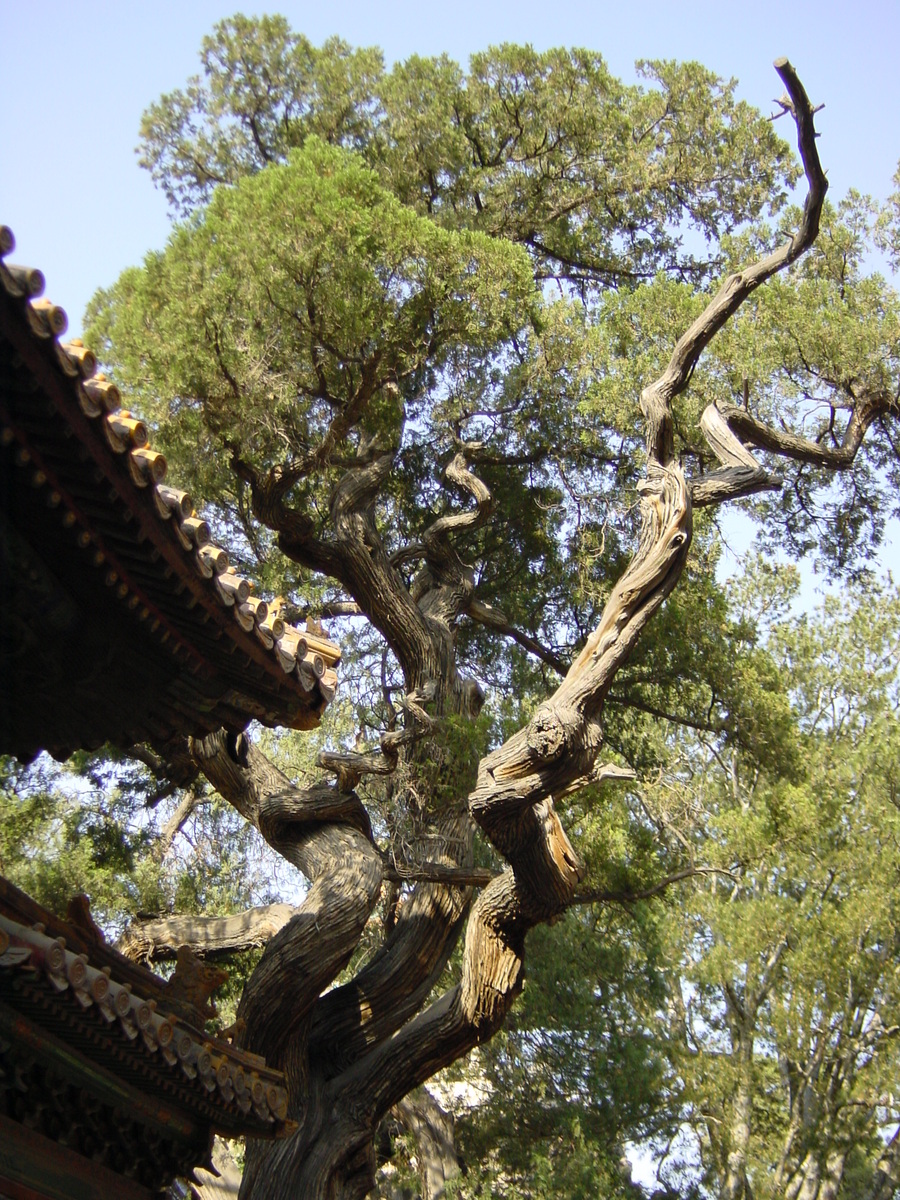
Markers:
97,1059
120,620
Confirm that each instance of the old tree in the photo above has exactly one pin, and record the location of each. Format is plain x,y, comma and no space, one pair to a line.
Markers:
430,345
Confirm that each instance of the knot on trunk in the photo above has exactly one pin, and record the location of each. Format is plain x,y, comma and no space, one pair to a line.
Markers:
550,732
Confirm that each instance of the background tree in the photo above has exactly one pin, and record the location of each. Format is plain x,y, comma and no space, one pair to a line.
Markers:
782,1005
418,275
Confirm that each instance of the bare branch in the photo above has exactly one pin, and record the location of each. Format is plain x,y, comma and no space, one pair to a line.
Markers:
657,398
341,608
362,565
352,763
159,938
731,483
189,802
359,484
631,701
740,474
432,872
788,445
171,762
627,896
347,416
444,586
486,614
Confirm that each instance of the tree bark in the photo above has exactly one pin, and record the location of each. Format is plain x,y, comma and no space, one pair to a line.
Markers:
433,1132
158,939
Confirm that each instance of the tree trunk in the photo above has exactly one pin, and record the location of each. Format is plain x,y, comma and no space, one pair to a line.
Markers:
433,1132
735,1185
834,1174
886,1178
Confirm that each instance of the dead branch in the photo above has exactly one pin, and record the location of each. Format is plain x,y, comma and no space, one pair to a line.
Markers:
657,398
189,802
866,409
432,872
486,614
156,939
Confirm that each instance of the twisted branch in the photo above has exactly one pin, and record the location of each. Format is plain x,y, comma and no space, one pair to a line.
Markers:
789,445
435,538
344,870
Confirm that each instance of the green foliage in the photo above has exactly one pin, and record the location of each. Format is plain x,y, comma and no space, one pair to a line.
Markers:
625,1032
786,970
266,90
301,289
343,269
88,829
889,226
549,149
59,836
578,1059
454,750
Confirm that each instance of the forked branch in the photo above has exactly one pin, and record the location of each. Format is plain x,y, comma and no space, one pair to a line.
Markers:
657,398
395,982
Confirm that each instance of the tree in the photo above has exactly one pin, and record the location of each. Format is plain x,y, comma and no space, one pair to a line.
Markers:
782,1011
418,274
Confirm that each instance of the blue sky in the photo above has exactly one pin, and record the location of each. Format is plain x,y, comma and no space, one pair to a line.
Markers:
75,77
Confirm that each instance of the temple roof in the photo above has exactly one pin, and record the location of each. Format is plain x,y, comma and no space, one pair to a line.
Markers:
120,620
92,1054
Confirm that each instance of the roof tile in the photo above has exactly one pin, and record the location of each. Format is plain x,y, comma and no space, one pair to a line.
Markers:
167,541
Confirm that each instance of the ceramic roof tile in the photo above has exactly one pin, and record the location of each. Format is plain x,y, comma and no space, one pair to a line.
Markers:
83,457
115,1012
